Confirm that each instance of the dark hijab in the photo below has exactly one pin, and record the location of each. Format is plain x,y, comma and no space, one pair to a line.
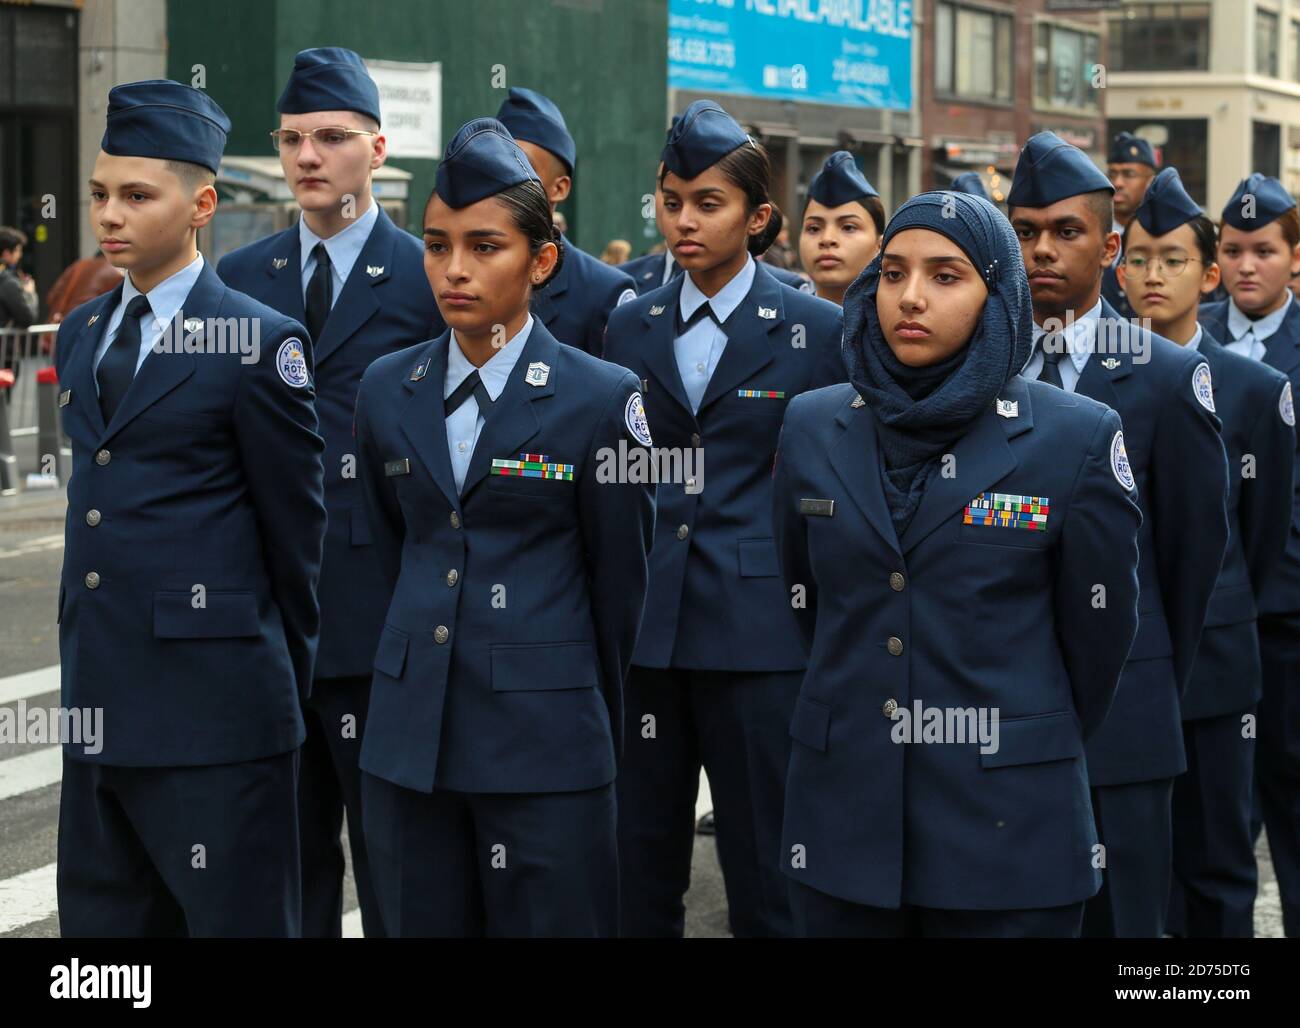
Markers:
921,412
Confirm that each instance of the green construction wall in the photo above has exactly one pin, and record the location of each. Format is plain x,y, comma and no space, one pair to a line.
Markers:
602,61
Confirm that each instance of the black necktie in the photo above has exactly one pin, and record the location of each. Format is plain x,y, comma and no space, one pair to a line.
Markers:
704,310
1053,351
472,384
117,367
320,291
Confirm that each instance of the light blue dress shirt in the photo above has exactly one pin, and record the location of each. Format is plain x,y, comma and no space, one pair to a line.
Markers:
343,247
1195,342
700,347
165,299
1248,337
465,423
1080,341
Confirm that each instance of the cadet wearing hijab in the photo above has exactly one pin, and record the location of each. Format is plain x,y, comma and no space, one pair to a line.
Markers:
576,303
1060,208
520,568
1259,249
720,349
842,223
1169,262
951,525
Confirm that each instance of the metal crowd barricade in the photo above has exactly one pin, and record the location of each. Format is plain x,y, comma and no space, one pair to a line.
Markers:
31,437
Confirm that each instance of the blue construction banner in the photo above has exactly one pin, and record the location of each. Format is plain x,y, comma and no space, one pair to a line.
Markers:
852,52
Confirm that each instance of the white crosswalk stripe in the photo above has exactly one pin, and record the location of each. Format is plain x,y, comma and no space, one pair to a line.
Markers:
27,897
29,684
31,771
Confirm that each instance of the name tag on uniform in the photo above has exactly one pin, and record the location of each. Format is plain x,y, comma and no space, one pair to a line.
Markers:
398,467
65,397
1006,510
817,508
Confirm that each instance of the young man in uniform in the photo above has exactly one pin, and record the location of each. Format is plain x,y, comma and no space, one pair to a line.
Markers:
358,283
1060,207
187,606
1131,167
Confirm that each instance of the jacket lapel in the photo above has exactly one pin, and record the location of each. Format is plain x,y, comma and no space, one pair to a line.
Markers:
162,372
1103,370
1282,350
357,303
658,352
1214,319
423,422
514,420
749,348
981,457
856,460
285,294
80,373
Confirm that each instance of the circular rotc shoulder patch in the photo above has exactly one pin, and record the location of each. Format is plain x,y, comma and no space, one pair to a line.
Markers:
634,416
1285,405
1203,387
624,296
1119,462
291,363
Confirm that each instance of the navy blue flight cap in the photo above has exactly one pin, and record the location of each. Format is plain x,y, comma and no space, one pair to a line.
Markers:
1271,202
971,183
165,120
1166,204
1050,169
839,181
329,78
1127,148
703,136
481,160
535,119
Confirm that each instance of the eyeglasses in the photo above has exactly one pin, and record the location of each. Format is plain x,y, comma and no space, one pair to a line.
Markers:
329,137
1172,264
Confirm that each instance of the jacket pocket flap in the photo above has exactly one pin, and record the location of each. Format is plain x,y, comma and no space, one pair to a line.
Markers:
811,724
1035,740
569,665
360,527
757,558
390,654
223,615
